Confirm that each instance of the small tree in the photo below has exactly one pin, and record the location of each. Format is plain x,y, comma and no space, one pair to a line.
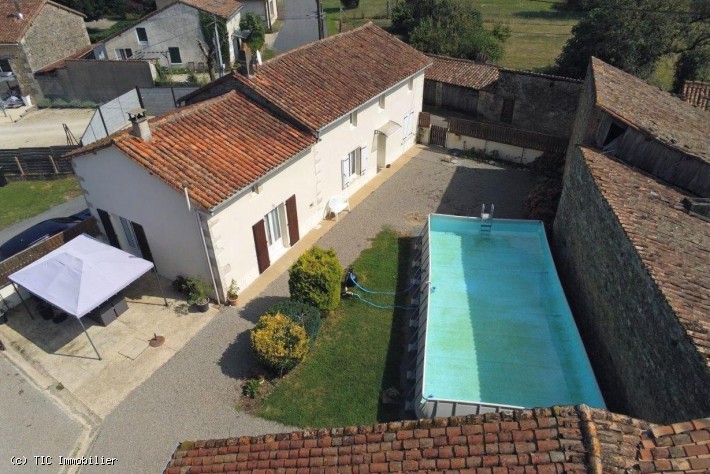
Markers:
315,279
301,313
257,30
278,342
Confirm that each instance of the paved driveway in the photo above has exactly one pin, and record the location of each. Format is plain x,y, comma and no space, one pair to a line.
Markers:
193,396
44,128
299,25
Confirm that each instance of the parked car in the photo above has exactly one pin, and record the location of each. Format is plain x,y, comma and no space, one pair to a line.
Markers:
39,233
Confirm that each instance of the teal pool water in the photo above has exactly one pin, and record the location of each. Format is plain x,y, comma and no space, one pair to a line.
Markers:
499,329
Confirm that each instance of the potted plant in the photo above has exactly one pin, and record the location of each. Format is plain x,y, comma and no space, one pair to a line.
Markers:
233,293
198,292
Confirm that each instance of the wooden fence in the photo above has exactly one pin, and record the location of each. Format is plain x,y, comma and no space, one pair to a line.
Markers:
22,259
508,135
36,162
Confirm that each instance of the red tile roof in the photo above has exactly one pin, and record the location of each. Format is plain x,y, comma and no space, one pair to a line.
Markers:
216,147
672,121
63,62
11,29
461,72
697,93
544,440
223,8
324,80
680,447
673,244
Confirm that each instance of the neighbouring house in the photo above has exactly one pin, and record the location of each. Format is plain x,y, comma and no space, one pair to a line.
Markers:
530,101
632,242
697,93
170,35
569,439
266,9
33,35
225,185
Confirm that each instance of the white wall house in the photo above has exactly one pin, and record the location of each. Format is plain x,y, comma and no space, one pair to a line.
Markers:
170,35
224,186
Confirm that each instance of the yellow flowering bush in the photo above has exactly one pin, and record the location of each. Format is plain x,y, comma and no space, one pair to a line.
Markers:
278,342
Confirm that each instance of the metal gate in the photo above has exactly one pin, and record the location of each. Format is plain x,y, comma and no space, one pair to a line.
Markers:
438,136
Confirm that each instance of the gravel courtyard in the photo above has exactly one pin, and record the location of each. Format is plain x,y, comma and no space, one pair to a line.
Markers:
194,395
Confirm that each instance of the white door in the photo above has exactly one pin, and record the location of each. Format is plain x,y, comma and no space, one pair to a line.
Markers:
129,242
274,235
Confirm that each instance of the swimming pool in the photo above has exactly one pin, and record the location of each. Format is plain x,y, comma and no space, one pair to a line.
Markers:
494,330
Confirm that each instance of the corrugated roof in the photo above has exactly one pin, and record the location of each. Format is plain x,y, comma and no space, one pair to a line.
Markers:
544,440
11,29
671,120
461,72
673,244
216,147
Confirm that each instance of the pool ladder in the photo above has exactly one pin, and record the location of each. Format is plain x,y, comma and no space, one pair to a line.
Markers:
486,219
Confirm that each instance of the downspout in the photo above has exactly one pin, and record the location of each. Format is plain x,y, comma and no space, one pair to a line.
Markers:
204,245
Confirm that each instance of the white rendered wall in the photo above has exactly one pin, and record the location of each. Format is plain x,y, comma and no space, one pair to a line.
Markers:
114,183
231,228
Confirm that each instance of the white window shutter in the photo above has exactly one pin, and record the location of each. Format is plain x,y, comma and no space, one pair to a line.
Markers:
345,169
363,159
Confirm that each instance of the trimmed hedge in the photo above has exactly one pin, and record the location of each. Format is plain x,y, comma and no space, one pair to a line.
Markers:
278,342
315,279
301,313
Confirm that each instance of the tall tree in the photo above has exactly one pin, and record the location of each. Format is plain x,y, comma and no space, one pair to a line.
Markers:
634,34
257,30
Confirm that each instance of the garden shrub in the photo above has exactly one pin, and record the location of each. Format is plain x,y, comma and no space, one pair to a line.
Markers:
278,342
301,313
315,279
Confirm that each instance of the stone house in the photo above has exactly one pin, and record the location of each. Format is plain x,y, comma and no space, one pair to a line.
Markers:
632,241
530,101
225,185
35,34
170,35
266,9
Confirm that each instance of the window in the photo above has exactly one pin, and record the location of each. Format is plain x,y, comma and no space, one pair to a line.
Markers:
382,102
175,56
124,53
354,165
353,118
142,35
5,65
273,226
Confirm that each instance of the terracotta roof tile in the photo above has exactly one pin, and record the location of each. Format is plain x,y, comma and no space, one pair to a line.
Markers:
673,244
216,147
544,440
672,121
223,8
697,93
683,447
11,29
461,72
324,80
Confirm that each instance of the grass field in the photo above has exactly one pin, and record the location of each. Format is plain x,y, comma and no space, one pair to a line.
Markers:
23,199
357,354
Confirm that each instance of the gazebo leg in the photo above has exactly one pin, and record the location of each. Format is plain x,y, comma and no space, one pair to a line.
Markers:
89,338
162,293
17,290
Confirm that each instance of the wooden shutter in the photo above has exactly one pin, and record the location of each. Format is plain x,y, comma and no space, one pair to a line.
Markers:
108,228
142,241
363,159
292,218
262,247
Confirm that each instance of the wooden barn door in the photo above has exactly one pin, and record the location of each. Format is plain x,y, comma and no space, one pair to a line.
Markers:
437,136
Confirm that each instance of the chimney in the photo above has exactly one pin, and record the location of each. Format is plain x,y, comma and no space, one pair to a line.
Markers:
141,128
248,66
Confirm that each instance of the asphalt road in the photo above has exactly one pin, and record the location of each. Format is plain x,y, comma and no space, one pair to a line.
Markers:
299,25
31,425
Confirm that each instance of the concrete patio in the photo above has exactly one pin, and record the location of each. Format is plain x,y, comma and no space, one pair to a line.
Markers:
63,353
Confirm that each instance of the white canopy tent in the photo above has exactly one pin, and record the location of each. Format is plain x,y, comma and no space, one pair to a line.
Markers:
80,275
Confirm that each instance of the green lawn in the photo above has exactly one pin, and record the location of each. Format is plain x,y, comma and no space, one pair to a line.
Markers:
23,199
358,352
